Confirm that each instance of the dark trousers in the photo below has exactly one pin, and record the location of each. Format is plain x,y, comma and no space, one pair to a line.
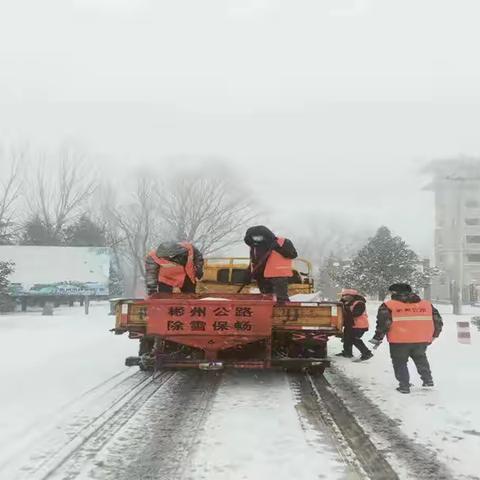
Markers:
401,352
353,337
278,286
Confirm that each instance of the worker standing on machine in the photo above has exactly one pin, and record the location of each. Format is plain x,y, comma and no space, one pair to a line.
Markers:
173,264
270,261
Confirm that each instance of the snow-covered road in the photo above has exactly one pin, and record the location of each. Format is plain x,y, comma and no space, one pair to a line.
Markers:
69,409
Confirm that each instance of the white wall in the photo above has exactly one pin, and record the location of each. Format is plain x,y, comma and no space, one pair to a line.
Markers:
57,264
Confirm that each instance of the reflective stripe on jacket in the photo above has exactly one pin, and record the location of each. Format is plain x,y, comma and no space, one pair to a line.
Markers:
362,320
411,322
277,265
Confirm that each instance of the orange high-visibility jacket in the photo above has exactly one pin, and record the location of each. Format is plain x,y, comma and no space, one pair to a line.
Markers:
277,265
411,322
174,274
360,321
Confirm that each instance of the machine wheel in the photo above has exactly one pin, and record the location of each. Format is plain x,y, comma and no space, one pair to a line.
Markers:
147,362
316,370
146,345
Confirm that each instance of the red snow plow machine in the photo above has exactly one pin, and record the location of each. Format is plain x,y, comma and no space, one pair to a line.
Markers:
219,330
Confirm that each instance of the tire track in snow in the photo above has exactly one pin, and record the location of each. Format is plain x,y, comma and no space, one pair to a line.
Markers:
354,412
46,436
157,442
312,409
94,435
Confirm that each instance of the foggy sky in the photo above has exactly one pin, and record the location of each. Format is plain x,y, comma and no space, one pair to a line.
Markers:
324,107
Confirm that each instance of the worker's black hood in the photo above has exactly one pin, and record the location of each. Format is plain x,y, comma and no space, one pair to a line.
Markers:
406,297
170,250
259,231
353,299
359,298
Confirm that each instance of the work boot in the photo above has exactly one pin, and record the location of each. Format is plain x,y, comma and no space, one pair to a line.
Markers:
343,354
365,356
403,388
428,383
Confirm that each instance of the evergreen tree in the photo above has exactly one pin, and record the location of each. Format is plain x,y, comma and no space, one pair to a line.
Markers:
384,260
115,284
36,232
6,302
7,236
334,275
85,233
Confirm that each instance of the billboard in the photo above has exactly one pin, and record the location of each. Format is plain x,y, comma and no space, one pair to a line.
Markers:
58,270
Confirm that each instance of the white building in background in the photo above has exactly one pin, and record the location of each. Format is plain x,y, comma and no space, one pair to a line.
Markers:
456,186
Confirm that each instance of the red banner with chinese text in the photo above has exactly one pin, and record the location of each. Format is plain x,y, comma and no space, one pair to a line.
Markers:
174,317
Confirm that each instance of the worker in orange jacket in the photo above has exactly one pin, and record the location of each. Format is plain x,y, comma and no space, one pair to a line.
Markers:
410,324
173,265
270,261
355,324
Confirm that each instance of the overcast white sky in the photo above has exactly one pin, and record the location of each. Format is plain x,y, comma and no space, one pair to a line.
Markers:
324,106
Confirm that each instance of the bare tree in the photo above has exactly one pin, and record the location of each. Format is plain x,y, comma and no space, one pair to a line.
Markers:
134,227
209,211
60,190
10,192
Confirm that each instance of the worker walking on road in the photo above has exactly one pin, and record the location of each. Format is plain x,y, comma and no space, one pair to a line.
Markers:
410,324
270,261
355,324
173,264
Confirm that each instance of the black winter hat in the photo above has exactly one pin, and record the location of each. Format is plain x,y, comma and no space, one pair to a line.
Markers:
259,230
400,288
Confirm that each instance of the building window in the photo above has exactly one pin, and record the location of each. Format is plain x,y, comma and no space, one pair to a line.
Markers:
473,258
472,221
472,203
473,239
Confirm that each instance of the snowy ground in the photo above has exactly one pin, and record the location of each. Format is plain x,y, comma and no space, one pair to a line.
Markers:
446,418
70,410
47,363
253,432
64,390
